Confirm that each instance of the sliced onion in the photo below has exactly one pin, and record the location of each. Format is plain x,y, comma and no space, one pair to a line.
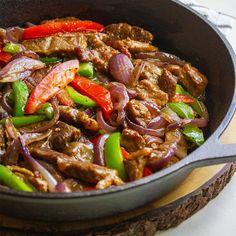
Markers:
52,183
35,137
45,125
5,104
19,68
149,139
99,158
136,73
90,112
14,34
121,68
152,108
120,98
170,115
62,188
162,56
143,130
203,121
102,123
26,53
12,153
157,123
165,157
132,94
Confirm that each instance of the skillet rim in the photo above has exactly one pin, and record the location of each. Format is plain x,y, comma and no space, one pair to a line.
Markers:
162,173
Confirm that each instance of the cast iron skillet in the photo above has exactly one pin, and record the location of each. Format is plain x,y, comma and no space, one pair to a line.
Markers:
178,30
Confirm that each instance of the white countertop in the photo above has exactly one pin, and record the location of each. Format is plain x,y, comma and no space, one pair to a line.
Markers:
218,217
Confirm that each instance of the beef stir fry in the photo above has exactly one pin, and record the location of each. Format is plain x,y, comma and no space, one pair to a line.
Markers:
87,107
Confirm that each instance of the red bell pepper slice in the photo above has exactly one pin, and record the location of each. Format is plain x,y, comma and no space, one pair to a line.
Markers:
52,83
124,152
96,92
48,29
5,57
64,98
182,98
147,172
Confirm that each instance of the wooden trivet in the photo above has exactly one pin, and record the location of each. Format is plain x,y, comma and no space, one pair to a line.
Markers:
195,192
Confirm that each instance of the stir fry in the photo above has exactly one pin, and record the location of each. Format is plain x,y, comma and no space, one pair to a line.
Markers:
86,107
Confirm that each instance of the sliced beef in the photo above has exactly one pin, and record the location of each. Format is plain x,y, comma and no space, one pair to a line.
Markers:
167,82
148,91
138,112
135,163
131,140
124,31
49,155
28,176
81,151
150,71
63,134
69,114
57,44
193,80
131,45
91,173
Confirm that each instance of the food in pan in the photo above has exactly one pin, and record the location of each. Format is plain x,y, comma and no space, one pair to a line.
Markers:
87,107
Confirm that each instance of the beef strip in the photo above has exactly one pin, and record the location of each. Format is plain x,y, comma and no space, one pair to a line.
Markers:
167,82
81,151
193,80
63,134
101,176
131,140
57,44
69,114
124,31
138,112
135,163
28,176
131,45
148,91
150,71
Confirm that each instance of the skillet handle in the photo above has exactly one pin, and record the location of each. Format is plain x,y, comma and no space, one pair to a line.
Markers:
213,153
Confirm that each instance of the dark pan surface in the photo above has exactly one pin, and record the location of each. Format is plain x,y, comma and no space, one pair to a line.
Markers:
177,30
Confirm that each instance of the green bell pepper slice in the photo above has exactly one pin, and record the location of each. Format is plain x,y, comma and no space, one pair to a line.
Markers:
86,69
47,110
24,120
194,134
79,98
21,95
13,181
113,155
50,60
12,48
181,109
197,105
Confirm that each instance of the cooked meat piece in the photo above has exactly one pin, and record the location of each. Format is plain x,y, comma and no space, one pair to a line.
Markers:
135,163
150,71
166,151
167,82
91,173
193,80
11,155
62,135
138,112
73,115
124,31
2,141
50,155
182,148
28,176
131,45
148,91
81,151
2,35
131,140
69,18
57,44
174,69
36,78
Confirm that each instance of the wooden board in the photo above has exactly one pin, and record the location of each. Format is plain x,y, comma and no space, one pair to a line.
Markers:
202,185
